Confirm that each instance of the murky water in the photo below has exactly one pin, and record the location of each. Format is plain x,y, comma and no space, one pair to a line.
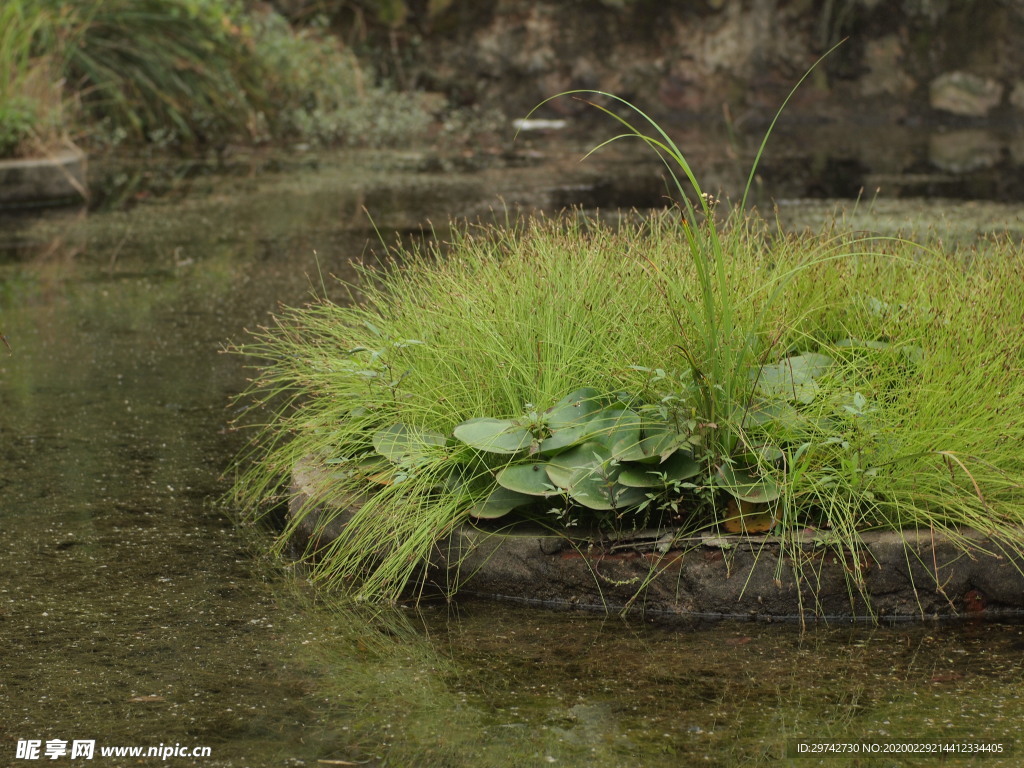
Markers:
132,613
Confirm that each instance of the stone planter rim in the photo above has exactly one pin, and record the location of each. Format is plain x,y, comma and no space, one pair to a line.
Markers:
908,575
56,178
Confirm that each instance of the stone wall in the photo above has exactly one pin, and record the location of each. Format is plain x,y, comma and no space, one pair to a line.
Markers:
904,60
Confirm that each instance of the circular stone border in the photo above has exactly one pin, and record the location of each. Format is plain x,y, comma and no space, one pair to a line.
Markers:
58,179
905,574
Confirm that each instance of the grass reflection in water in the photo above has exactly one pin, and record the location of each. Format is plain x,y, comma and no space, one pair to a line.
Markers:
500,685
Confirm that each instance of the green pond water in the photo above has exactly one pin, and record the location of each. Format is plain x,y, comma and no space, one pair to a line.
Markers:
134,614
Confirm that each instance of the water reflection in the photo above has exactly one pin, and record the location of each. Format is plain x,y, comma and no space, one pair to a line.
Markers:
911,161
132,612
476,686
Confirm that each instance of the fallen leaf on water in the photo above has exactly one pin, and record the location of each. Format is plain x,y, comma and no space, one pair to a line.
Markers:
747,517
975,601
737,640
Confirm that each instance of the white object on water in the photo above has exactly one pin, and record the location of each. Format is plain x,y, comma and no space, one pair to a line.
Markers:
538,125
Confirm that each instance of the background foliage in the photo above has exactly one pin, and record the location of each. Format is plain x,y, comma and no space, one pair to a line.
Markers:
186,73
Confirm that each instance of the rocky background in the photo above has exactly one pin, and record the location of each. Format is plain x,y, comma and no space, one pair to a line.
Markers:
733,60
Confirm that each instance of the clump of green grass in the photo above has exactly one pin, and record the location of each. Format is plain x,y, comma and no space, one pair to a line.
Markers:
677,372
30,94
16,113
509,318
916,423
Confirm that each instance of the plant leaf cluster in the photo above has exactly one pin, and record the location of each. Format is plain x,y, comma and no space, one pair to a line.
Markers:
829,382
879,392
185,73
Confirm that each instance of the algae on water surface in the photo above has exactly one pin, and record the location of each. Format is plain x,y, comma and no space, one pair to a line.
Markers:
132,612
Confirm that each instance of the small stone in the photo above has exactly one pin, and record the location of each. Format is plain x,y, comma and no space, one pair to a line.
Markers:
1017,95
551,545
886,74
963,93
964,151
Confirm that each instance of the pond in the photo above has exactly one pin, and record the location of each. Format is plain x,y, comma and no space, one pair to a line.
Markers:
133,613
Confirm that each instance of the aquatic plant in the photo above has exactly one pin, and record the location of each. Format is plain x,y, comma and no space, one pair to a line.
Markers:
452,390
679,372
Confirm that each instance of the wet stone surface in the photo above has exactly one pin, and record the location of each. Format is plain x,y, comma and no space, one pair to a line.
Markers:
893,575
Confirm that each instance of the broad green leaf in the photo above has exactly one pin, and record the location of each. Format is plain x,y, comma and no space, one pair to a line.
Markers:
678,467
760,455
913,353
618,428
764,411
596,488
372,464
589,473
568,419
575,408
503,436
590,454
499,503
660,440
529,478
745,486
793,378
642,476
782,421
563,438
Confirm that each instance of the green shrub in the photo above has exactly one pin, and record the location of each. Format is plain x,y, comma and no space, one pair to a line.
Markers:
161,70
187,72
322,93
17,120
27,101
